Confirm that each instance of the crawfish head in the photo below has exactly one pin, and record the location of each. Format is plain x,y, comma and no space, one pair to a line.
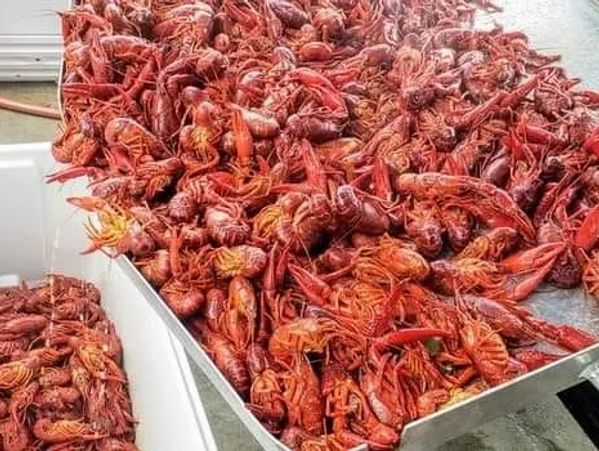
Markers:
64,430
492,245
95,360
257,360
424,227
486,349
467,274
15,436
291,15
244,260
242,298
183,299
567,272
19,372
226,225
417,97
301,335
458,225
22,398
348,205
398,259
156,269
266,396
182,207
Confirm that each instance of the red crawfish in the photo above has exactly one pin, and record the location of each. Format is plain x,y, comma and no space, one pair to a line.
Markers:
485,201
431,400
22,325
533,358
216,300
302,336
60,287
96,361
289,14
301,393
458,225
265,393
226,224
565,336
526,270
260,125
13,346
58,399
466,274
15,437
51,377
183,299
115,228
503,317
21,400
244,260
153,177
137,140
257,360
241,311
388,262
491,245
422,223
156,268
19,372
382,393
73,147
362,213
354,422
226,359
198,151
64,430
330,22
486,349
243,139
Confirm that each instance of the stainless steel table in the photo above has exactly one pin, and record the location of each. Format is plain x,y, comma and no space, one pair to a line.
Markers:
567,27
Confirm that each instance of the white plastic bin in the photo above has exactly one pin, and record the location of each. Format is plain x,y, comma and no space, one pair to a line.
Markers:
39,233
30,40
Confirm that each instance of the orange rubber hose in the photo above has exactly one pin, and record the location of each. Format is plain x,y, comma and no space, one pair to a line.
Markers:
27,108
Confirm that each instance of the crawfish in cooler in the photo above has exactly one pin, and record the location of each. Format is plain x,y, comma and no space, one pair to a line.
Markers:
50,383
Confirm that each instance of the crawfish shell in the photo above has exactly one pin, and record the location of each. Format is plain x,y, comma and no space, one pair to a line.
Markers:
182,207
244,260
288,13
137,241
404,262
156,270
183,304
224,229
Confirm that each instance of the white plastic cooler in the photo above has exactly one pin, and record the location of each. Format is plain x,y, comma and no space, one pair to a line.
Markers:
40,233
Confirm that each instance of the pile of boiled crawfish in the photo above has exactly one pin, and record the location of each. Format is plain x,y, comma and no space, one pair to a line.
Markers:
344,200
61,382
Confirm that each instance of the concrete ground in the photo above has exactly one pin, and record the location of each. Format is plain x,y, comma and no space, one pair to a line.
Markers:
546,426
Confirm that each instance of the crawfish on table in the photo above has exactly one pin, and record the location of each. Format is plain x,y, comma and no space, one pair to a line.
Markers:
344,202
